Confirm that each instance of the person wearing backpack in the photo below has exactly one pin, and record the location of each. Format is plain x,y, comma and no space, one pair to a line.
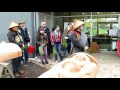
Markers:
26,38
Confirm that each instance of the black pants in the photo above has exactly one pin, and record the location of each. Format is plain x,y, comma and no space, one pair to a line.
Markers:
26,54
16,65
69,48
37,51
49,49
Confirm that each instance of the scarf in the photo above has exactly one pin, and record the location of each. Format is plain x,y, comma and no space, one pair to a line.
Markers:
78,33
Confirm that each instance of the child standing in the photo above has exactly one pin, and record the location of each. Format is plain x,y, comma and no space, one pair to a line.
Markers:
56,41
42,40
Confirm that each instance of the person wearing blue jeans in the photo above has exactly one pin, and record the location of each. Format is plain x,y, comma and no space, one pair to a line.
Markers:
57,45
56,40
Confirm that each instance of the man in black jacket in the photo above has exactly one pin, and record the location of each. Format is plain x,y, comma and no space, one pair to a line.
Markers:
26,38
14,37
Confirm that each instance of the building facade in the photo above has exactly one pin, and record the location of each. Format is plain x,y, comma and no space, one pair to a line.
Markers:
99,21
32,19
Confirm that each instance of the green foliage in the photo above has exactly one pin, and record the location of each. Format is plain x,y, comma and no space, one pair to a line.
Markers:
94,31
41,51
25,46
54,51
65,45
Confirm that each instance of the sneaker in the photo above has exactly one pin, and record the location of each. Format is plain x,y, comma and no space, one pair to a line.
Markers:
22,62
16,74
59,60
21,72
46,62
43,62
56,61
25,61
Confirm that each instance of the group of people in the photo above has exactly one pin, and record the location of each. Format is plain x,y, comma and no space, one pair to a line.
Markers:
72,40
48,42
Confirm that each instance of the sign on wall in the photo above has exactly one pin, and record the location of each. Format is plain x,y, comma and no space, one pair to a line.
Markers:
113,32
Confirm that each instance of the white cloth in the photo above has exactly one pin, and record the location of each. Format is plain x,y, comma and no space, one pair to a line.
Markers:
66,37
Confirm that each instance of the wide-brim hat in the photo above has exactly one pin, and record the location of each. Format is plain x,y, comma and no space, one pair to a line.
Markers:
77,23
21,22
13,24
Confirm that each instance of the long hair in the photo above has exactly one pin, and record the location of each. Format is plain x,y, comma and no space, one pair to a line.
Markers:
53,29
39,34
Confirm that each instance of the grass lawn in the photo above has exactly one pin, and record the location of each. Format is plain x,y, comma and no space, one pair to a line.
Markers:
94,32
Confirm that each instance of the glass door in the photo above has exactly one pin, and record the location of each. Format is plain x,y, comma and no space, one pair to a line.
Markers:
103,28
59,21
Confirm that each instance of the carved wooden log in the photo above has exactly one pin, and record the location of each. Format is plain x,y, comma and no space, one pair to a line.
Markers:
9,51
78,65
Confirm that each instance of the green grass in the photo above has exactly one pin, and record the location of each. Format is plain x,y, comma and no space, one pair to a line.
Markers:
94,32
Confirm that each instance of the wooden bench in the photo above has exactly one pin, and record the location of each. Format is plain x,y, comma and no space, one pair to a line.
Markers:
5,70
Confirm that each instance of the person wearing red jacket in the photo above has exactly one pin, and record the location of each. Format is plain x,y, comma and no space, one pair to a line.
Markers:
56,41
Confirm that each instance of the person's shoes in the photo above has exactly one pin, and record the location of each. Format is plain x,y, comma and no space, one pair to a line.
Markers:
26,62
57,61
22,62
38,54
43,62
46,62
21,72
50,57
16,74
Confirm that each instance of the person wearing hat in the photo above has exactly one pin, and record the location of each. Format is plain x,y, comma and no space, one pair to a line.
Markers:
26,38
15,37
78,37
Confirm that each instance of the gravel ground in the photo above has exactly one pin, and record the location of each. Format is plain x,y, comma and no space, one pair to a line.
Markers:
32,70
109,64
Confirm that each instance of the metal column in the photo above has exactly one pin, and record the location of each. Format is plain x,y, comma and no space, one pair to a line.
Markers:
119,22
91,30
